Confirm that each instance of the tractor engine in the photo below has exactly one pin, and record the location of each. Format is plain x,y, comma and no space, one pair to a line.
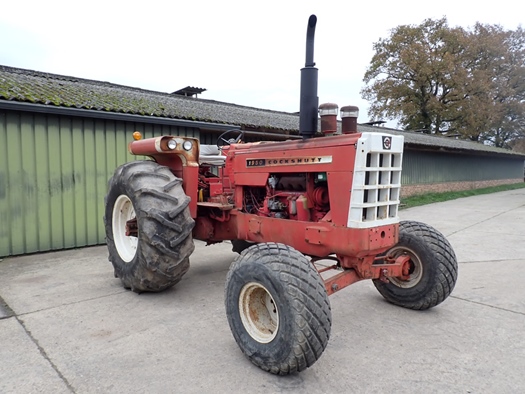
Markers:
302,196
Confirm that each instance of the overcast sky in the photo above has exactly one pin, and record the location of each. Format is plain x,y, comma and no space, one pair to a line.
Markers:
242,52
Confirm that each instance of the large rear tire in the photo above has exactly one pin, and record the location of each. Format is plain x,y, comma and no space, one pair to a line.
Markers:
433,268
277,308
148,226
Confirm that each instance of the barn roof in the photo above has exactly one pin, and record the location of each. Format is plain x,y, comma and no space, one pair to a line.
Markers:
59,91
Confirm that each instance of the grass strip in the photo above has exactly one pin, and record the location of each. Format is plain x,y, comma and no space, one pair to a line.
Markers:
430,198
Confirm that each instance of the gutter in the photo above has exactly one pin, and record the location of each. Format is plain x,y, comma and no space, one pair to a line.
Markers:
464,151
280,137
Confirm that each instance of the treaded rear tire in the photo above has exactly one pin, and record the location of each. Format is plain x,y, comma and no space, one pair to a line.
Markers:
303,316
164,241
434,268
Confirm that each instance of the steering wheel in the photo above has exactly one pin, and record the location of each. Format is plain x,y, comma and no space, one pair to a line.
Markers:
223,141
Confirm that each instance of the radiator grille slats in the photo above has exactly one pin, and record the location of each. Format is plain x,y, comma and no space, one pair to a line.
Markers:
377,181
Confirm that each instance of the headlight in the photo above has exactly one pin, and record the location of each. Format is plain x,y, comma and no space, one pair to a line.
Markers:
187,145
172,144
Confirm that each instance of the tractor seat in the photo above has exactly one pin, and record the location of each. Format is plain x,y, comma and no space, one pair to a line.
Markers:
211,154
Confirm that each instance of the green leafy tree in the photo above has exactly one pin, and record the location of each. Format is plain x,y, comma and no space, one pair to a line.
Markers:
438,79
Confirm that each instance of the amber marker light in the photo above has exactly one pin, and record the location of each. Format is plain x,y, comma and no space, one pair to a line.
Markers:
137,136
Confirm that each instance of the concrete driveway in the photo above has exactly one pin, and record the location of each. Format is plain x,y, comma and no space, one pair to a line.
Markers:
68,326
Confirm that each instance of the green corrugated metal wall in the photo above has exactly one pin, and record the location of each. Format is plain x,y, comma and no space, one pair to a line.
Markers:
423,167
53,177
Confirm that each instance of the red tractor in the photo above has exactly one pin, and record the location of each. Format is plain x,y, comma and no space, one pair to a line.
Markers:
284,206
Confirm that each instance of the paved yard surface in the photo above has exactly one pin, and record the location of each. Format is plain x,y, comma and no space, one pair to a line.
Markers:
66,325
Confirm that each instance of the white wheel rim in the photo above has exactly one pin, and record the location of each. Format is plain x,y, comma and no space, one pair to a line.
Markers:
416,271
122,212
259,313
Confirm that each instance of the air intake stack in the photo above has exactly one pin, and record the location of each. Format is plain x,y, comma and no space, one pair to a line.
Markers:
309,100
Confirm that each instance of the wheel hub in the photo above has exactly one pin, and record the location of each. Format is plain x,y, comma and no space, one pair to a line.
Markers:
132,228
259,313
412,268
125,240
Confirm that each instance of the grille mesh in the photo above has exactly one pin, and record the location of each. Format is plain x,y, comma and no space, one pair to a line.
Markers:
377,181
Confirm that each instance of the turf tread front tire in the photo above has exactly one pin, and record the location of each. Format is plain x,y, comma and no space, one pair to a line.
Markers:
439,265
164,226
302,301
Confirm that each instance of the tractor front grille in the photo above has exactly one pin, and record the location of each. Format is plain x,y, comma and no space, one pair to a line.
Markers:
377,181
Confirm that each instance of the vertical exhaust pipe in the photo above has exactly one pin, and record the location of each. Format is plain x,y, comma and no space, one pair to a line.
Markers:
309,100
